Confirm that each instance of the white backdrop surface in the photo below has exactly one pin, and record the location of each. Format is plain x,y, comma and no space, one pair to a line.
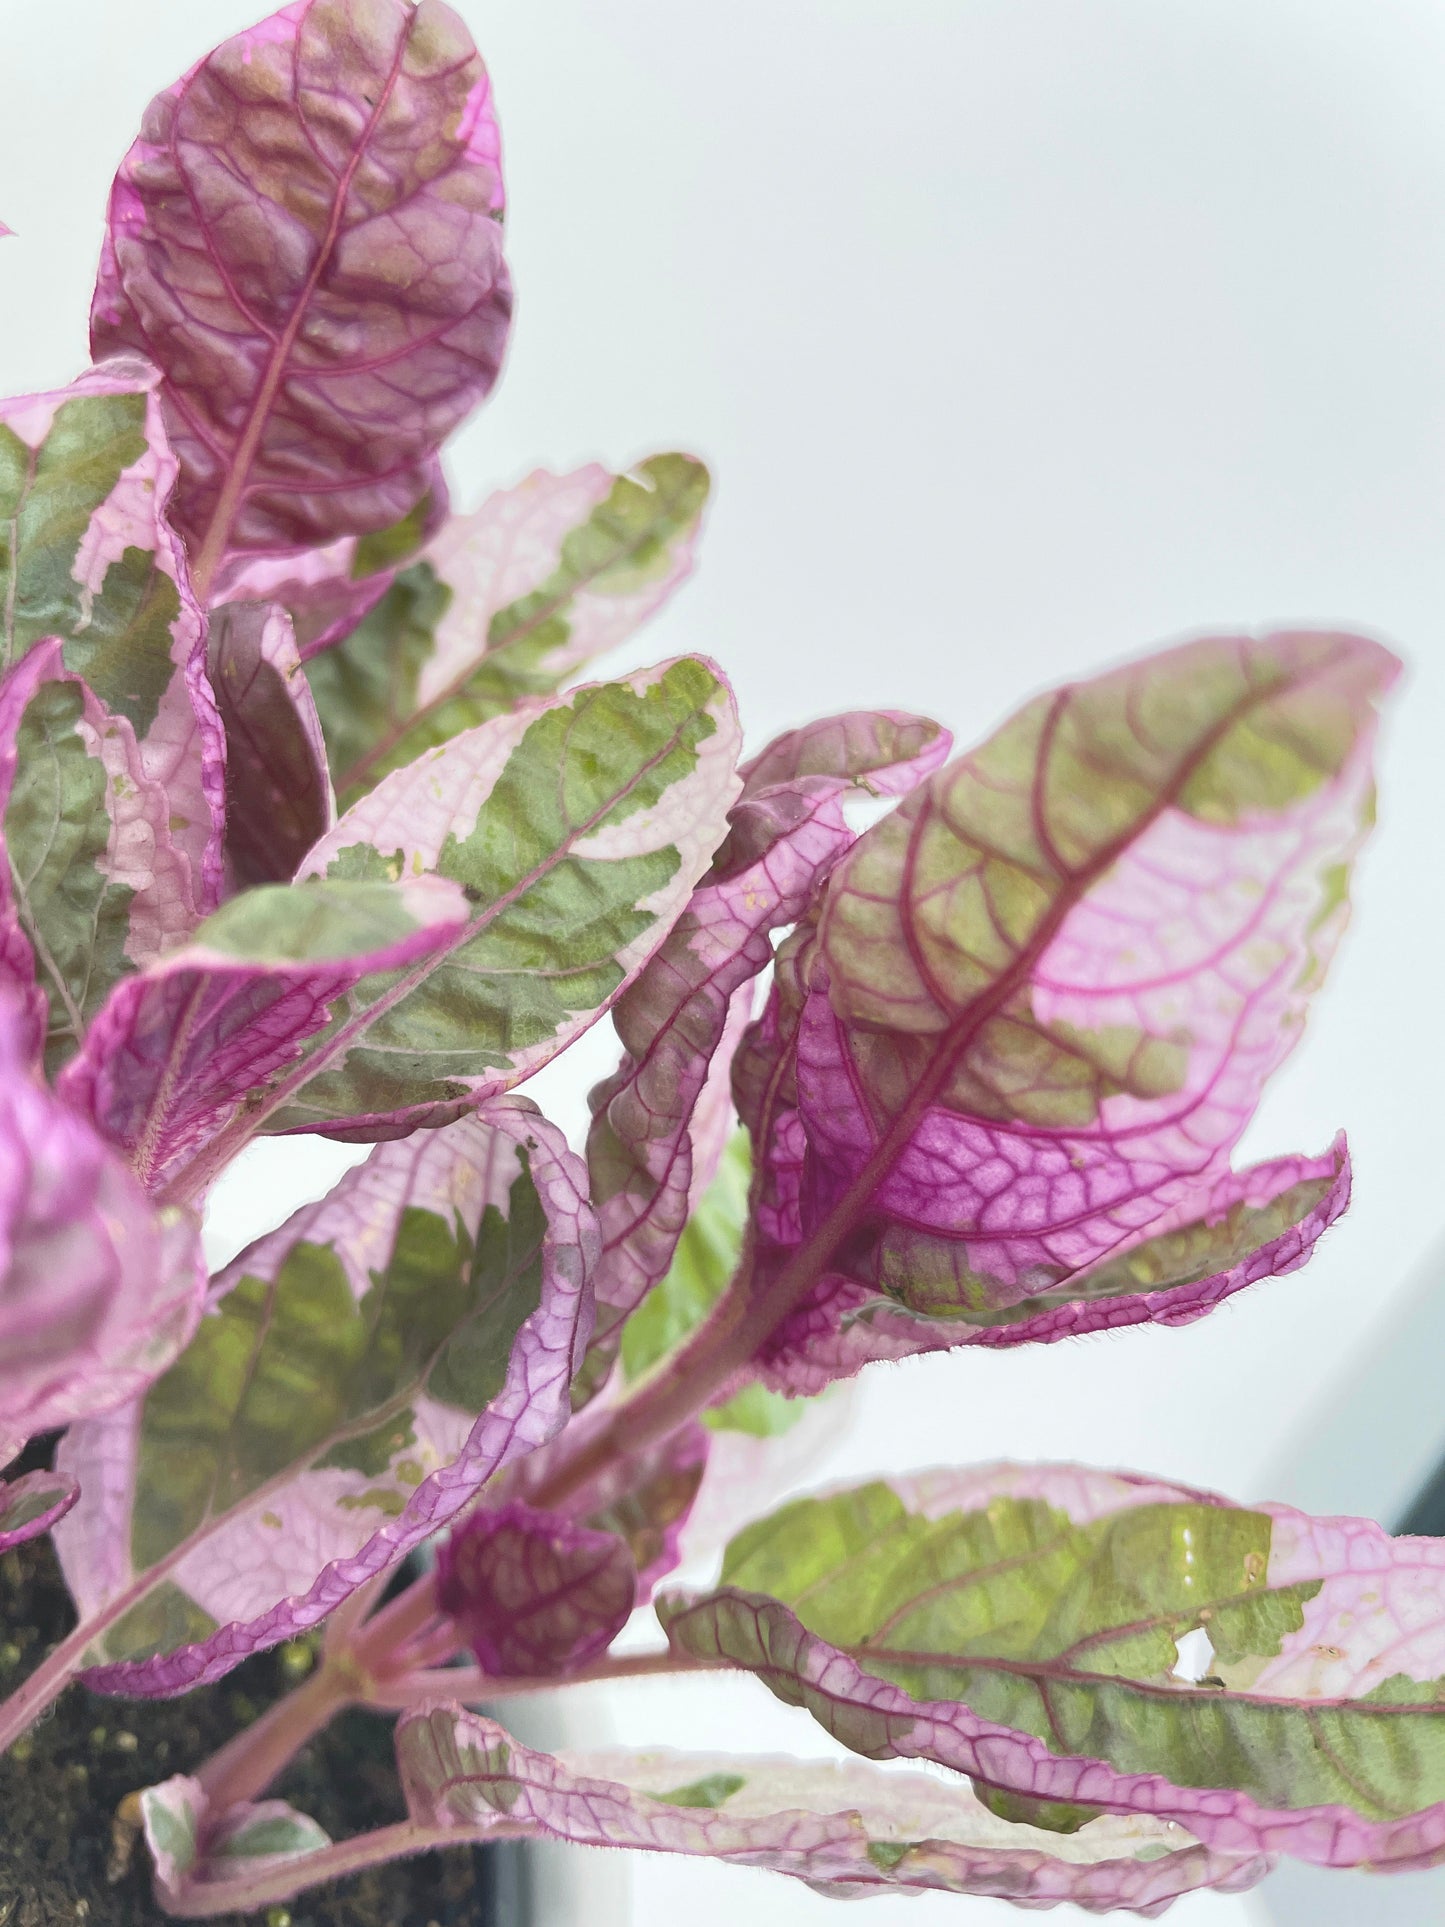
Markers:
1020,334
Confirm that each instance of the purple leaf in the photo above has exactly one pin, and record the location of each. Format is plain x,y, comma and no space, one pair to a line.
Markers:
643,1498
32,1504
1022,1625
98,1289
305,239
176,1051
278,788
86,474
1042,999
785,832
844,1828
534,1594
359,1376
93,885
506,603
1259,1223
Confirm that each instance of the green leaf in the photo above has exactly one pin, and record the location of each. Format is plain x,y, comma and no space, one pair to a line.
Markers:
706,1258
95,883
578,835
1047,1604
503,605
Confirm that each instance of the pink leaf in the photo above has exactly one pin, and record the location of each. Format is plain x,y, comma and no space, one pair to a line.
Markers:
176,1051
1040,1003
305,238
98,1289
785,832
533,1594
1023,1625
846,1829
94,562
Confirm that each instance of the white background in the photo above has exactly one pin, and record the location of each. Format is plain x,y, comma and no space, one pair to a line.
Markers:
1020,334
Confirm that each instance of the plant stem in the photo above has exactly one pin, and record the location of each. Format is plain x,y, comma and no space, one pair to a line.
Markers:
400,1619
277,1883
246,1765
45,1684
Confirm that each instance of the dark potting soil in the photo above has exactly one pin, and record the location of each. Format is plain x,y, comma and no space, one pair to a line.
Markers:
66,1858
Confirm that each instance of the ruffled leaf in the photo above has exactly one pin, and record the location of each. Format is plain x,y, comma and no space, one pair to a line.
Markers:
845,1829
86,474
504,604
172,1059
577,832
306,240
784,834
278,789
99,1290
1041,1002
32,1504
534,1594
1022,1625
361,1373
95,885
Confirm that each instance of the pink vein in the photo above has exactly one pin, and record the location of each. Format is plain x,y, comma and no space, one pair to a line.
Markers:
213,547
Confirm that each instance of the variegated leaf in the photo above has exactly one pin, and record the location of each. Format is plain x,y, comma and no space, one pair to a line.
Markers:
86,474
1023,1625
359,1375
504,604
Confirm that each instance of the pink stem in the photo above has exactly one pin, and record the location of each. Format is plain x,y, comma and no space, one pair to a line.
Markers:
273,1884
45,1684
245,1766
401,1619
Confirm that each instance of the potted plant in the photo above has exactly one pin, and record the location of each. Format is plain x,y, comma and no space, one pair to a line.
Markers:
311,826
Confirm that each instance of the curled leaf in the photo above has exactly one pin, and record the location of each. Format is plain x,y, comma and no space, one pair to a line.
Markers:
1022,1625
360,1374
644,1498
534,1594
32,1504
504,604
194,1849
305,239
846,1829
